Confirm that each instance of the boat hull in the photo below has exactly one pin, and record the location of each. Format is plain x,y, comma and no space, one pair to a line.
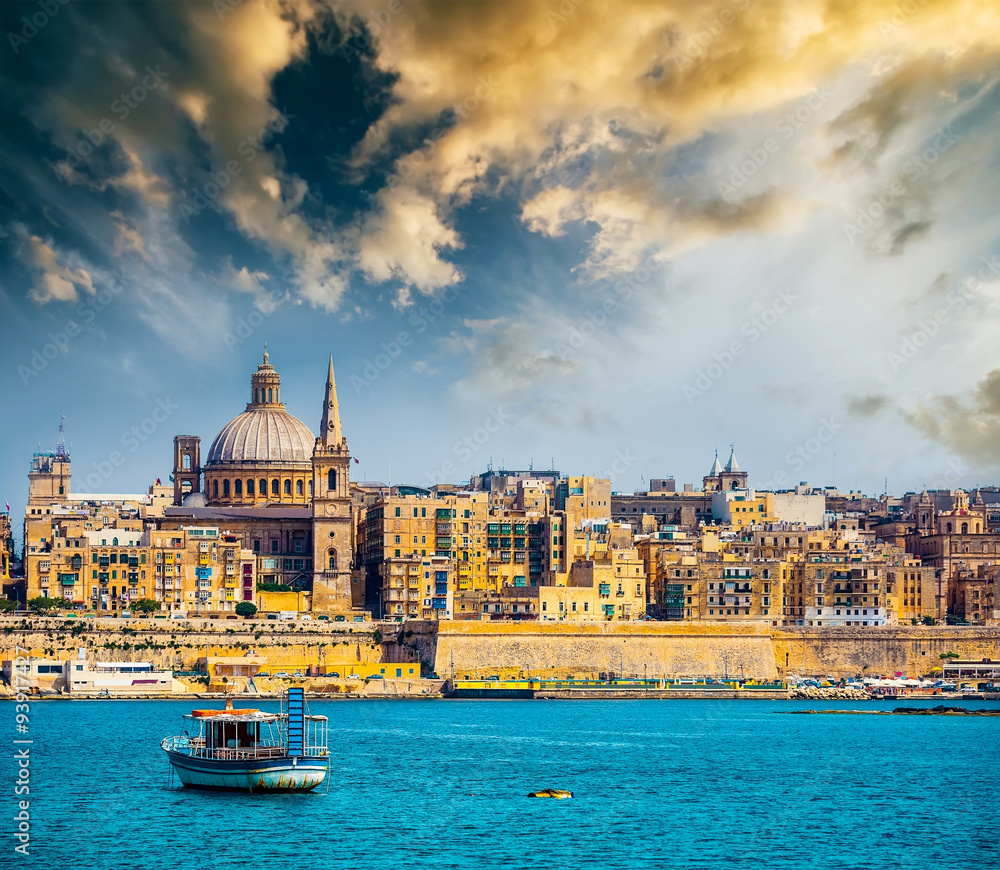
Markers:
259,775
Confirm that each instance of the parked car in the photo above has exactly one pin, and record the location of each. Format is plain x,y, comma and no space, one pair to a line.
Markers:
232,616
305,617
262,674
297,674
281,674
323,617
376,677
353,677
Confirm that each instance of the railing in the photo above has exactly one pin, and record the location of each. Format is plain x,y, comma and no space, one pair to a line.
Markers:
195,748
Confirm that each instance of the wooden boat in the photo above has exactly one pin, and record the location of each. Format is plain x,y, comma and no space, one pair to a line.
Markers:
250,750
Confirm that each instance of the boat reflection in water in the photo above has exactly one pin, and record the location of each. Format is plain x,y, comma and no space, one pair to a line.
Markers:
248,750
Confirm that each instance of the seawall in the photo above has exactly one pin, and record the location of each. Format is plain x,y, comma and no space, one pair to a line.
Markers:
178,644
658,649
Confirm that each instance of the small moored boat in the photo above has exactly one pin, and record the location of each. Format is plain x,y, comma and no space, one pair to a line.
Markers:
250,750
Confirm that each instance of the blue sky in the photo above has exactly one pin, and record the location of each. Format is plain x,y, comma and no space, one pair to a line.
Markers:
612,236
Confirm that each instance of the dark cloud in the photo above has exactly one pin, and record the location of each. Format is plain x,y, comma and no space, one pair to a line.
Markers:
968,425
867,406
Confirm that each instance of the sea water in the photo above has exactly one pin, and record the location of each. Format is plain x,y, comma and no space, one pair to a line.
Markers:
445,783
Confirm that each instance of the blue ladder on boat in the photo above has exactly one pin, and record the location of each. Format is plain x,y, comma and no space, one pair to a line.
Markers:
296,720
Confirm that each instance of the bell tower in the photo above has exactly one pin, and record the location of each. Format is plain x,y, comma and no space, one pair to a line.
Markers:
333,545
187,466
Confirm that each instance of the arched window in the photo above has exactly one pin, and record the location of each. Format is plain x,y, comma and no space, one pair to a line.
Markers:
256,395
298,487
114,542
331,560
225,487
965,528
187,461
949,528
274,487
288,487
269,394
310,488
239,487
262,489
734,485
250,486
215,489
331,479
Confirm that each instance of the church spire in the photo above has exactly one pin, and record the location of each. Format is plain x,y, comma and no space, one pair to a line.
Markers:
330,432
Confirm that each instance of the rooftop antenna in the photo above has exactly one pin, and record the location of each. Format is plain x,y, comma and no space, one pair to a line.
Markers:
61,441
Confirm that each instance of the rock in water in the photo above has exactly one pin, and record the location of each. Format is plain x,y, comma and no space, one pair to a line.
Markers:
556,793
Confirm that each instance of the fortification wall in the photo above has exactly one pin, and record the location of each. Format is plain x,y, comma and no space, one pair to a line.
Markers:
911,650
177,644
480,649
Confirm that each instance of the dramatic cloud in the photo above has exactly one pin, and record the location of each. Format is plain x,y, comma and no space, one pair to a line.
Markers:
57,282
967,425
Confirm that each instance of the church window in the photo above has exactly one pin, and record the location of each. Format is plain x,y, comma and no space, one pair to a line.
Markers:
288,487
269,394
331,479
187,461
965,528
310,488
215,489
274,487
332,560
298,487
949,528
225,487
250,486
262,489
256,395
239,487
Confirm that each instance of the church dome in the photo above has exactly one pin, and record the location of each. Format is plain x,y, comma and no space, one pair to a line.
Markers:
262,435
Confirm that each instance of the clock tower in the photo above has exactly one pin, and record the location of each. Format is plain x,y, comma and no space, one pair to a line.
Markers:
333,546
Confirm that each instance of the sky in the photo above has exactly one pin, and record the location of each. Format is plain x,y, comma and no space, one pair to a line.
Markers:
611,238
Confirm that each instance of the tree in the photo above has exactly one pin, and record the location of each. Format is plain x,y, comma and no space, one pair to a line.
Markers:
6,605
42,603
146,605
246,609
273,587
929,620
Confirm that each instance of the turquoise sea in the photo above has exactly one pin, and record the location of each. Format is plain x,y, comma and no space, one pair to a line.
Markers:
444,784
